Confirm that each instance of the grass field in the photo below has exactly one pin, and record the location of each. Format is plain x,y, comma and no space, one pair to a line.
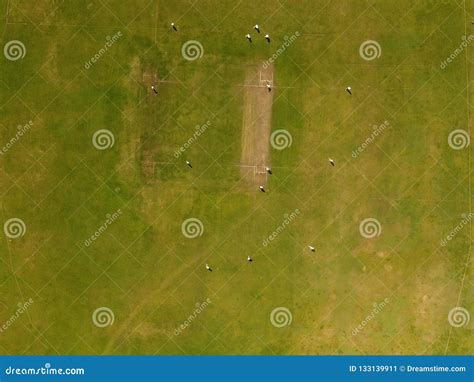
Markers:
100,260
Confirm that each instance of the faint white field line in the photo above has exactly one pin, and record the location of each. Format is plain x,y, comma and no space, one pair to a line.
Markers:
289,264
469,164
263,86
43,110
16,277
429,257
272,281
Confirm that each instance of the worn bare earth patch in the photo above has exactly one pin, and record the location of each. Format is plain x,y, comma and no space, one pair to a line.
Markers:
257,118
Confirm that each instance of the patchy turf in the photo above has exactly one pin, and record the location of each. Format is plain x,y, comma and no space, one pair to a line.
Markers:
101,184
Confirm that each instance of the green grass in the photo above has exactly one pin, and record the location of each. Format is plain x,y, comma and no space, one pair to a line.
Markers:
144,269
